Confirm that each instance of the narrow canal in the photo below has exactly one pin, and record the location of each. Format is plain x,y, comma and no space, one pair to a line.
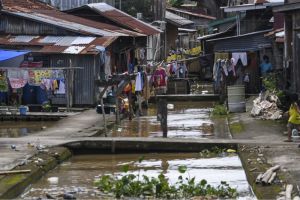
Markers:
185,120
78,174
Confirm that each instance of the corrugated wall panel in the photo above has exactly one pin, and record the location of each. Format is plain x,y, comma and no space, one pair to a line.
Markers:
15,25
84,87
245,43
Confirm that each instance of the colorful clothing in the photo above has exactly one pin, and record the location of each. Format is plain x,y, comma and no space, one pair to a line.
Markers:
294,115
159,78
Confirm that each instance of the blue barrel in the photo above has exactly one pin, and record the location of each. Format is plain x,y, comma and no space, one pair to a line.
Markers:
23,110
41,95
29,96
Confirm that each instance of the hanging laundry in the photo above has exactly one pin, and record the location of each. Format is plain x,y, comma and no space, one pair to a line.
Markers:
17,78
58,74
101,50
55,84
221,56
46,84
142,54
36,76
18,74
225,67
107,67
159,77
240,56
139,82
62,88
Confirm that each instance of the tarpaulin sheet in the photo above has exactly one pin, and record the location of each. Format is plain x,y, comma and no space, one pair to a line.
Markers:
8,54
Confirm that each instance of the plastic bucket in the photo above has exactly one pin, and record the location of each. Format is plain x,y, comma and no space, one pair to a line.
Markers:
236,98
23,110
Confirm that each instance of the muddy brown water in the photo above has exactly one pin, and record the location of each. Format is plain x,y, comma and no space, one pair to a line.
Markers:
14,129
185,120
78,174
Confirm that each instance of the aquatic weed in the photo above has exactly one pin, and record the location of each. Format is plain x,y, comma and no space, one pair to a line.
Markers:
134,186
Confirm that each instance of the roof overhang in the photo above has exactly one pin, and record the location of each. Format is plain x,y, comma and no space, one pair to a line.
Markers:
287,7
244,7
58,44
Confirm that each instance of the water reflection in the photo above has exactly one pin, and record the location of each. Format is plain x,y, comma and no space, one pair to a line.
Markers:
77,175
186,120
12,129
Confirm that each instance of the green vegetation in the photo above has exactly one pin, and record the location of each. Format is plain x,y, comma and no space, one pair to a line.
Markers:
236,127
176,3
219,110
270,83
216,151
131,185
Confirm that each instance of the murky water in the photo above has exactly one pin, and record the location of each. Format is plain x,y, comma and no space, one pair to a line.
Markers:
185,120
77,175
14,129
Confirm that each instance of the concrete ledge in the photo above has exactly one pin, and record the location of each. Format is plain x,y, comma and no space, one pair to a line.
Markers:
188,97
11,186
154,145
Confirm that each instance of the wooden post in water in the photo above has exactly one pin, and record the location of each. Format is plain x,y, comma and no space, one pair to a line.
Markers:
162,115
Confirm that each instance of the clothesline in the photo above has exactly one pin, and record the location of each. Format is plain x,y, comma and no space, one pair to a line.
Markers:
43,68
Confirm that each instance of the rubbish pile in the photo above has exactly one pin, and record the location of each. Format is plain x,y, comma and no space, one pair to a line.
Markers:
266,107
268,177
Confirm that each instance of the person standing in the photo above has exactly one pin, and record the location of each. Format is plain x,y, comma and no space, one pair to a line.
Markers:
265,66
294,116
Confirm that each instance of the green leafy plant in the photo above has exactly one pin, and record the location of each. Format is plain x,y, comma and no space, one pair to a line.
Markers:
219,110
176,3
134,186
46,107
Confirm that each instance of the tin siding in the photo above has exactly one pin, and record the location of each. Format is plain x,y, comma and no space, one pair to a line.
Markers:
16,25
84,88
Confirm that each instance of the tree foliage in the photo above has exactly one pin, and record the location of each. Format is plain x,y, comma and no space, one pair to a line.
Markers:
176,3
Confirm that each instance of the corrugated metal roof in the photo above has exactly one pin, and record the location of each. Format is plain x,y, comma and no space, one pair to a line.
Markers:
66,41
191,13
43,13
120,18
177,20
23,38
47,44
83,40
50,39
76,27
74,49
248,42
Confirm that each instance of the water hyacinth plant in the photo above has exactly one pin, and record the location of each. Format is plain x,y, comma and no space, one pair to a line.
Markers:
144,187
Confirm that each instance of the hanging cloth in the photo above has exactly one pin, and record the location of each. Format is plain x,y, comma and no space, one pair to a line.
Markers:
36,76
221,56
107,67
17,78
242,56
61,88
138,82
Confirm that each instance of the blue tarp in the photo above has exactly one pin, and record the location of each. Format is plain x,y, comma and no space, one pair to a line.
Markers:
8,54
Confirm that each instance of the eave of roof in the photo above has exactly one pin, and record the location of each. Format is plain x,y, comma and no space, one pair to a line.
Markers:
119,17
191,13
287,7
239,36
177,20
50,15
78,45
